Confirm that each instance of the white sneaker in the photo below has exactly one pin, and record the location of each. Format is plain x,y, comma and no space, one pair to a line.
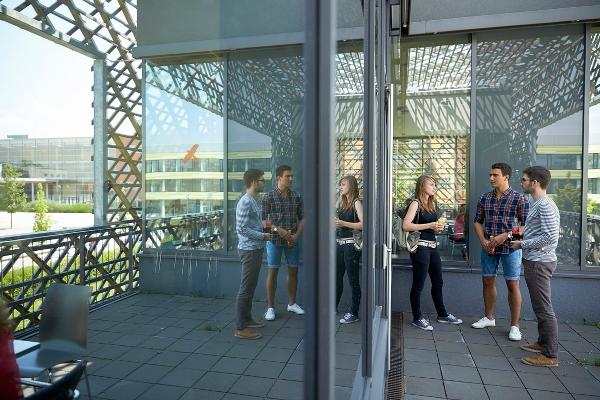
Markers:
270,314
295,308
484,323
514,334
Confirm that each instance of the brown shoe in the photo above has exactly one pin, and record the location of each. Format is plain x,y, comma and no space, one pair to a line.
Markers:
255,324
247,334
540,360
532,347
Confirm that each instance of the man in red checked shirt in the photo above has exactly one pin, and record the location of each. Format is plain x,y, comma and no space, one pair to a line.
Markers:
497,212
284,208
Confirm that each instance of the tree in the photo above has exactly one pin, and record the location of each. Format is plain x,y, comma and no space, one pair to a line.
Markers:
41,221
14,191
568,198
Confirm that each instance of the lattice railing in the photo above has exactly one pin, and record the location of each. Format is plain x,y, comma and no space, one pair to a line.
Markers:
190,231
103,258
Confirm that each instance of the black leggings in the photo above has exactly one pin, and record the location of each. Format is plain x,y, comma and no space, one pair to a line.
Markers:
347,260
426,260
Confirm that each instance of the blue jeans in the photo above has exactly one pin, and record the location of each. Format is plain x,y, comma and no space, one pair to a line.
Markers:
274,252
511,264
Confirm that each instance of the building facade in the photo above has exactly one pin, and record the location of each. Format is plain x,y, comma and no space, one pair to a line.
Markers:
63,166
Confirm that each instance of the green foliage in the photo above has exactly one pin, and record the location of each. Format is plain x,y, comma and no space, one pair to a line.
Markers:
568,198
54,207
592,206
14,191
41,221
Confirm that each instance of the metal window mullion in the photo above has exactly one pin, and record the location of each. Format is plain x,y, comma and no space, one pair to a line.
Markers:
100,140
473,129
368,256
318,165
143,138
586,145
226,154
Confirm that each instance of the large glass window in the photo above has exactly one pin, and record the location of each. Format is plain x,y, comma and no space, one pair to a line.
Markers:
184,153
529,101
431,132
593,177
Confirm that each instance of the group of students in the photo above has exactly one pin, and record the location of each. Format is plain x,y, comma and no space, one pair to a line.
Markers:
511,231
276,224
501,213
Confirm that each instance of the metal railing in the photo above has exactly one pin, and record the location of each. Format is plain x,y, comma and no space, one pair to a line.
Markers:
103,258
188,231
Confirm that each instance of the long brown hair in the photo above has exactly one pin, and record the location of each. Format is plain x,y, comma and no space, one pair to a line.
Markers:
428,204
5,324
347,201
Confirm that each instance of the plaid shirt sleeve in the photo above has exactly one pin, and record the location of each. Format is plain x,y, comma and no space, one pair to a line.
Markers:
300,208
266,206
480,213
522,209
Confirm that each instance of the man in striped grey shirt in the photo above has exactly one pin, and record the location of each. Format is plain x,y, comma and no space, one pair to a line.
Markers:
539,262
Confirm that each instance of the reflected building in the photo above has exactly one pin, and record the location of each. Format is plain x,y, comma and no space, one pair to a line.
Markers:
63,166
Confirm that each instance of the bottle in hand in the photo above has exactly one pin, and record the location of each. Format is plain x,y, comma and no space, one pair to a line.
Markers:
268,226
517,233
491,250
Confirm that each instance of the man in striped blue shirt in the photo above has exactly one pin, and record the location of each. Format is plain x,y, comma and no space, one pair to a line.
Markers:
251,245
539,262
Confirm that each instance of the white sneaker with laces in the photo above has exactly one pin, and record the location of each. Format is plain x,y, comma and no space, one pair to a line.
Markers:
270,314
295,308
484,323
514,334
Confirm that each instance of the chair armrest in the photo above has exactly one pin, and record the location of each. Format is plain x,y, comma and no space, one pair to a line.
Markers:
31,382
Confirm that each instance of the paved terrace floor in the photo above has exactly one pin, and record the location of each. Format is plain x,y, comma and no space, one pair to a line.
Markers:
459,362
174,347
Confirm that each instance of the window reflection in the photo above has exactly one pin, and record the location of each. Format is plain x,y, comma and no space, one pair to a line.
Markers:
593,178
184,151
529,112
431,133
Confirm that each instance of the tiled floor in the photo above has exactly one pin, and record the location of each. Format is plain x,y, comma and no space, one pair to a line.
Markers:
175,347
459,362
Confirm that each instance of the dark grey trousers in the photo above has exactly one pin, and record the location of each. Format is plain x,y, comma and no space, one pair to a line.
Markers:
251,262
538,275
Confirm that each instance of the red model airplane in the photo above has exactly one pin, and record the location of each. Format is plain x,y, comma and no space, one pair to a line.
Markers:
191,154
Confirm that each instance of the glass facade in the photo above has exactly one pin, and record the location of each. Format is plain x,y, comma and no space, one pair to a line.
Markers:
63,166
462,103
432,132
529,111
209,121
593,154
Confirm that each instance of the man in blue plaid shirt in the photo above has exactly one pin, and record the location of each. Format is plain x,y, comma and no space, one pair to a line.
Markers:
284,208
497,212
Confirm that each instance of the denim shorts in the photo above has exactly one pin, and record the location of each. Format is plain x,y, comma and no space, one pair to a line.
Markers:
292,255
511,264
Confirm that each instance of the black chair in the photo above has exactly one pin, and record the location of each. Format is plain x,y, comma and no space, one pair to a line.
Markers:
63,330
63,388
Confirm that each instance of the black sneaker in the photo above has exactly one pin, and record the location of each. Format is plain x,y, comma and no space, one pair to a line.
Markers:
348,318
422,324
449,319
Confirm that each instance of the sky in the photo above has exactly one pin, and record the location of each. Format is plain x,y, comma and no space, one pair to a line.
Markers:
46,88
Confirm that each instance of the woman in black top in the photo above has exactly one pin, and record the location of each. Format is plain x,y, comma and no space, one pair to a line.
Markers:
422,216
349,217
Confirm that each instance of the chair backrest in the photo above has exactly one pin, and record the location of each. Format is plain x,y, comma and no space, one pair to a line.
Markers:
65,311
63,388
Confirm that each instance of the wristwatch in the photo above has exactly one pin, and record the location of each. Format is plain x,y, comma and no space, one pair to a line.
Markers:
510,235
275,229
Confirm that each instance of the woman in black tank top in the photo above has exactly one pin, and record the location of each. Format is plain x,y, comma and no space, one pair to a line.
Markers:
349,217
422,216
